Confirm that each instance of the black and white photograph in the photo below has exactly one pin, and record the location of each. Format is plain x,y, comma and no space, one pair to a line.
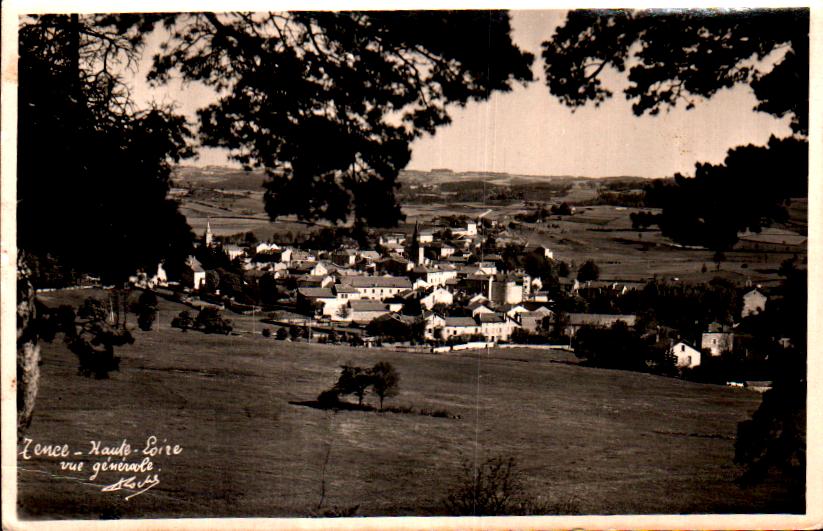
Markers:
321,266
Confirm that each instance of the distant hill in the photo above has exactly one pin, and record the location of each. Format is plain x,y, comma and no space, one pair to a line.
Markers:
237,179
218,177
440,176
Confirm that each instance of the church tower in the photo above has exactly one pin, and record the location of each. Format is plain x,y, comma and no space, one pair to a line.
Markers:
208,238
416,250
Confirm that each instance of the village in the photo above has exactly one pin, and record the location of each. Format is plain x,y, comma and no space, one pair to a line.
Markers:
457,284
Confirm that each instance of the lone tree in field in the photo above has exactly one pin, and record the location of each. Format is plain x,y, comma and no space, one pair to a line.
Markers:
682,57
353,381
385,380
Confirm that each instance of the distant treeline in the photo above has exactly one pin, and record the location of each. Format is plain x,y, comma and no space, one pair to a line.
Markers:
478,190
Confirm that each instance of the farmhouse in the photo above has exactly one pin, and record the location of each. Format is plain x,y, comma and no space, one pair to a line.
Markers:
434,323
310,298
460,326
717,342
433,276
194,276
686,355
754,302
479,307
495,327
344,257
437,296
363,311
601,320
265,247
377,288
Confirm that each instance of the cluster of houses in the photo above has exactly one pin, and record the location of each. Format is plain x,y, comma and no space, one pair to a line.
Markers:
426,275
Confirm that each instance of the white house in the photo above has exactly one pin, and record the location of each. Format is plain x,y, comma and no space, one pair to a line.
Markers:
433,323
460,326
433,276
264,247
754,302
717,342
495,327
425,236
506,290
469,230
437,296
197,279
234,251
309,297
479,307
687,356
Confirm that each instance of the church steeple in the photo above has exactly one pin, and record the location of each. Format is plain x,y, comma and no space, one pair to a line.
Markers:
415,249
208,238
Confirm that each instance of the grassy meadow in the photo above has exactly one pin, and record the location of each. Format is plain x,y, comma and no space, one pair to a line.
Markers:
593,441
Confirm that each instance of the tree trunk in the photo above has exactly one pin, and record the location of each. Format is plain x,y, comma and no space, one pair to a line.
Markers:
28,351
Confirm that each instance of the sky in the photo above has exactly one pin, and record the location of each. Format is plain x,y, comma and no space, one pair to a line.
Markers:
528,131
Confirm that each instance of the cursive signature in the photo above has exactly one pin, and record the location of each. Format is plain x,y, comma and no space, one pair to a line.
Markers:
132,483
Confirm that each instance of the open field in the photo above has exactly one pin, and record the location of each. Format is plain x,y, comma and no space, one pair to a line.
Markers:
602,233
609,441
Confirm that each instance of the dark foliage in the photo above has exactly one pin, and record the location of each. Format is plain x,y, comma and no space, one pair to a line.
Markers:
93,340
307,95
146,309
588,271
385,380
210,321
619,347
183,321
106,175
675,57
353,381
774,440
661,70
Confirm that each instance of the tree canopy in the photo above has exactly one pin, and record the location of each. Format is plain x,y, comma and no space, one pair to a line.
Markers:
93,169
328,102
675,56
678,57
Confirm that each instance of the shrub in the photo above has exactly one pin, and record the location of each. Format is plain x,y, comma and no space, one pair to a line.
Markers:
495,488
210,321
266,332
183,321
281,334
492,489
146,309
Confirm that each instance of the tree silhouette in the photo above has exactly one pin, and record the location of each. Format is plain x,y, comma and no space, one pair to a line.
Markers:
679,57
328,102
385,380
93,170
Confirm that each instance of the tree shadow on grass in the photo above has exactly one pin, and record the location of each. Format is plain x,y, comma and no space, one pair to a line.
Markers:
348,406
